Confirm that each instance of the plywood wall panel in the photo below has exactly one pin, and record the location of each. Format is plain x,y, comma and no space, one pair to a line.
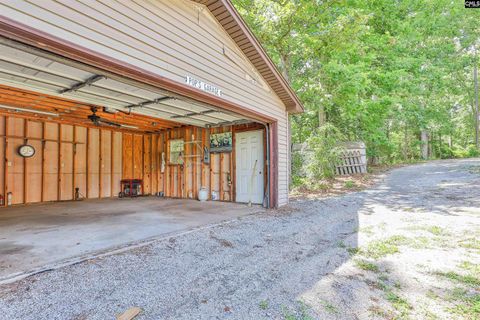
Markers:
80,160
138,156
34,170
15,126
154,157
33,192
66,171
66,132
50,175
147,164
2,157
161,162
51,131
15,163
35,130
117,162
127,160
66,162
106,163
93,164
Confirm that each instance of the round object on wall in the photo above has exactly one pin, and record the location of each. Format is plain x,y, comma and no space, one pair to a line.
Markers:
26,151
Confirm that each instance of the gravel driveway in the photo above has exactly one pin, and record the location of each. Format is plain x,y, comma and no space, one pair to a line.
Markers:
408,248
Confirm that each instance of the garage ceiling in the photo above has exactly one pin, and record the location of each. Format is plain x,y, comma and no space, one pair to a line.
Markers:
31,69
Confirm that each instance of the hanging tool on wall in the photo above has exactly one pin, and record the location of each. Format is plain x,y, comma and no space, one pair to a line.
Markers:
162,167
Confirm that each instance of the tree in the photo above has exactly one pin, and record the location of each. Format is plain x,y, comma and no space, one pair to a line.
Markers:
394,74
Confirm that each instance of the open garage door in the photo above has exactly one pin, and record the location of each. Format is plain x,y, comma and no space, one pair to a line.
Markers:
28,68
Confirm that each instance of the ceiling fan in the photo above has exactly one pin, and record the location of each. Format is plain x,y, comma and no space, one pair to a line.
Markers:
99,121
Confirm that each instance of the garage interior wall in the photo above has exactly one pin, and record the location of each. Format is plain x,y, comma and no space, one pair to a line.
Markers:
95,159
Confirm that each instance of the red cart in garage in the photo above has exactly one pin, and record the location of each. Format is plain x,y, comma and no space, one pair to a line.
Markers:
131,188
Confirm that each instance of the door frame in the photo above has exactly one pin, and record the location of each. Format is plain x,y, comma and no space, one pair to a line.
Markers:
260,128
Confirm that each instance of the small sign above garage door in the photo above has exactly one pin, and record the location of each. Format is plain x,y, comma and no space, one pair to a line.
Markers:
203,86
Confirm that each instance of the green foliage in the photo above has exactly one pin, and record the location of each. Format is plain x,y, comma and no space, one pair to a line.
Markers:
325,148
467,305
469,280
353,251
263,305
378,71
472,152
350,184
367,266
381,248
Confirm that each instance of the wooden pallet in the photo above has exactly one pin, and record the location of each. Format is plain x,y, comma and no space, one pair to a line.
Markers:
351,162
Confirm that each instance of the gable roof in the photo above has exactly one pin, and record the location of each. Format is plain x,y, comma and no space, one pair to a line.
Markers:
235,26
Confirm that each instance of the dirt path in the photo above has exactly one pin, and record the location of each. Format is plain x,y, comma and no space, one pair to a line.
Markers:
408,248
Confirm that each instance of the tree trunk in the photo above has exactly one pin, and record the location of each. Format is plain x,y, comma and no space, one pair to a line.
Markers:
424,144
285,63
440,145
321,116
475,79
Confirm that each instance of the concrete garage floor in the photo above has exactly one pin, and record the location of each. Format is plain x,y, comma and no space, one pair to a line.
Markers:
38,237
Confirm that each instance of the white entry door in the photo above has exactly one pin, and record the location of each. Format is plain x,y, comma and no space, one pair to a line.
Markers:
249,166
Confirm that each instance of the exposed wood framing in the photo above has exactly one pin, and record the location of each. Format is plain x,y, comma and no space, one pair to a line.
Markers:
42,197
75,149
25,172
87,175
5,165
59,163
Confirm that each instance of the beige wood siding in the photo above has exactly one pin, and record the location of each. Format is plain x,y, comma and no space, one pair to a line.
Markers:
171,38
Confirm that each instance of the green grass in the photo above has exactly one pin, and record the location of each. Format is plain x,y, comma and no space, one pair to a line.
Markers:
367,266
367,230
470,243
467,305
436,230
330,308
263,305
353,251
341,244
300,314
472,267
350,184
401,305
468,280
432,295
381,248
376,311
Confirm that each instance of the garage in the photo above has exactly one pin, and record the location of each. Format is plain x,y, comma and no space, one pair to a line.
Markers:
85,132
165,101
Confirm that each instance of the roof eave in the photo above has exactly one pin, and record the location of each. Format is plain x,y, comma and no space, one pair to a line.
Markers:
292,103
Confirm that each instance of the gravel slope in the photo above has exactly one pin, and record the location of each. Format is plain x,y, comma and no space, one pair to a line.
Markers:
298,262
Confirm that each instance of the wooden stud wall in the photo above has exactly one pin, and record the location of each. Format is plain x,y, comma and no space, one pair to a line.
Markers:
67,157
94,160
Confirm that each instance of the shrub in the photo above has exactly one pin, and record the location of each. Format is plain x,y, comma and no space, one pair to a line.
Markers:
472,151
325,146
